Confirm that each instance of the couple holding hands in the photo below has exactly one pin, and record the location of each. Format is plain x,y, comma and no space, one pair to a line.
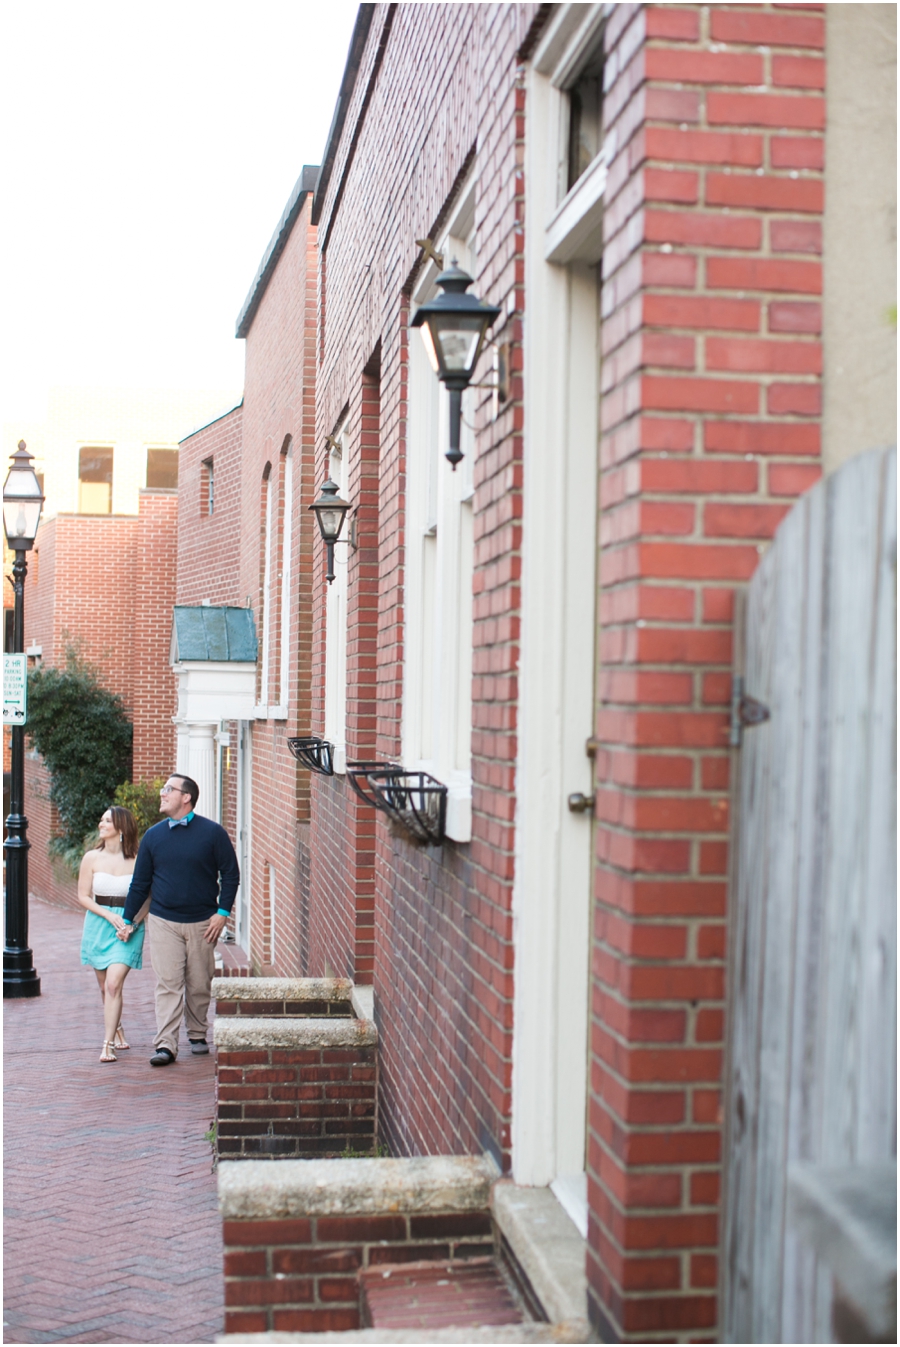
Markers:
183,878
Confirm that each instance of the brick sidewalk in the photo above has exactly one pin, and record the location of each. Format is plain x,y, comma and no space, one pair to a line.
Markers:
111,1230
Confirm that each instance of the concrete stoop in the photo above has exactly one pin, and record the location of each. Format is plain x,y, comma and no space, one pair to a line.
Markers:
426,1249
533,1332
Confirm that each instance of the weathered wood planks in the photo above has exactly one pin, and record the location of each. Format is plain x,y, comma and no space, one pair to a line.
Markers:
811,1071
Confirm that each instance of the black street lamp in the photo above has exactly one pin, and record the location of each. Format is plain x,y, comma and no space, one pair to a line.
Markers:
454,326
22,501
330,510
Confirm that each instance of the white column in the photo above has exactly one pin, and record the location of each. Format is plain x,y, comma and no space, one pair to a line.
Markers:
202,765
182,745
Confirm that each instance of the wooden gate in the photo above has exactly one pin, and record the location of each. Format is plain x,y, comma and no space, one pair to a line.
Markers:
811,1070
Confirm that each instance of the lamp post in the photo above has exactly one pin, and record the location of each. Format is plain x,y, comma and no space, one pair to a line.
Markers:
22,501
454,326
330,511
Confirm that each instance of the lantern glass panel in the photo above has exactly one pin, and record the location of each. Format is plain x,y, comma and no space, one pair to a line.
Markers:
21,518
459,340
330,523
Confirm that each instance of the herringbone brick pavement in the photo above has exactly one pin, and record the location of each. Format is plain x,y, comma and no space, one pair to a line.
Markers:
111,1231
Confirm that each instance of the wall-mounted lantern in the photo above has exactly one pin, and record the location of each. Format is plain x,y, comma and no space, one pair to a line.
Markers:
454,326
330,511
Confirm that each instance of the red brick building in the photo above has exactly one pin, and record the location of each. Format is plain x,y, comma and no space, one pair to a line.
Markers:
547,631
104,584
244,542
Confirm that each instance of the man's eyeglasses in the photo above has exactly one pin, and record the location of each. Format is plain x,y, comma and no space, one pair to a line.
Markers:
167,790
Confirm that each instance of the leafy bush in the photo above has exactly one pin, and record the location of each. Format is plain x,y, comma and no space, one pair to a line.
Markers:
81,731
142,798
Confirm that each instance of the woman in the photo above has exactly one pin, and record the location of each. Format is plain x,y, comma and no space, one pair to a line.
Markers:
103,884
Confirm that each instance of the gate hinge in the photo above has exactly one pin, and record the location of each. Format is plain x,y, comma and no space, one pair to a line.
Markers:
745,710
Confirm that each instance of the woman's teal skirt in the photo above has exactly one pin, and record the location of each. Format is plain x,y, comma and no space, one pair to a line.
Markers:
100,946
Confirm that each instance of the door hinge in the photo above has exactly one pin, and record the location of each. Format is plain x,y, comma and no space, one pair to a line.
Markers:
745,711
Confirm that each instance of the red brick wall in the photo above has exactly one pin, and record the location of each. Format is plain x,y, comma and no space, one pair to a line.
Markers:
209,546
220,560
447,79
154,688
300,1276
278,408
710,427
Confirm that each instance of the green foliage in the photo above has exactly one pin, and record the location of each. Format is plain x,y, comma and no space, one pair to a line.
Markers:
349,1153
142,798
81,731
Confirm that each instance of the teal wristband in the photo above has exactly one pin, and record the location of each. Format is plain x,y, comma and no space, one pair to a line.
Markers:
223,912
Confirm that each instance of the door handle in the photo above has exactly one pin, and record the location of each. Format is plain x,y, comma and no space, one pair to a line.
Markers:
580,804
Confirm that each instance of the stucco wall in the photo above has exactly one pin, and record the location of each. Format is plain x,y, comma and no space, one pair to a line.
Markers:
860,405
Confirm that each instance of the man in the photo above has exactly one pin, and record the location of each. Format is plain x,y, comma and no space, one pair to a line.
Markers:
189,864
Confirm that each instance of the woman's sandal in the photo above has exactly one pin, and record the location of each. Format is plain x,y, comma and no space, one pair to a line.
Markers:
107,1055
120,1035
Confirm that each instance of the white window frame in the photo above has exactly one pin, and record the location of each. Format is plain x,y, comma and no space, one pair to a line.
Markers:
336,616
262,709
436,732
572,228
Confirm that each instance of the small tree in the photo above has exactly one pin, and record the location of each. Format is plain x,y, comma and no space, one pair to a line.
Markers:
142,798
81,731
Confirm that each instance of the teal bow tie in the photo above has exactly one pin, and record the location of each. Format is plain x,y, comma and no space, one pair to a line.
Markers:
181,822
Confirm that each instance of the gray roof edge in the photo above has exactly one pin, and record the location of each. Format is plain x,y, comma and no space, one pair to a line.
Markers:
305,184
364,17
211,422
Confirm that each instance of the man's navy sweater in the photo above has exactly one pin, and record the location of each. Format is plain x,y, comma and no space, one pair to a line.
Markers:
182,867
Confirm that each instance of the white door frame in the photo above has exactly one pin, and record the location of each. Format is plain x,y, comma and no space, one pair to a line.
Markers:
552,890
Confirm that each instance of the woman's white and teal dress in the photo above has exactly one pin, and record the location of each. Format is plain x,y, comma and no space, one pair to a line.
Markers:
100,946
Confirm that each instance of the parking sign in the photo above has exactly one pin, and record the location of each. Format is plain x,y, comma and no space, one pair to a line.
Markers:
15,688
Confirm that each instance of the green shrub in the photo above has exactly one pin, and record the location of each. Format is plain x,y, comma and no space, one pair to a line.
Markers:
142,798
81,731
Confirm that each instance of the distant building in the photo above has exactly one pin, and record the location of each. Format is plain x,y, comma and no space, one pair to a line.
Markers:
101,576
98,447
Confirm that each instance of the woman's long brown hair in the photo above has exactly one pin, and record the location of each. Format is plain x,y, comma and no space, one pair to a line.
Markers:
124,824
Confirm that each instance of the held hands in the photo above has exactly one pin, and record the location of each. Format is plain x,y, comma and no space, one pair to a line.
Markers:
213,928
123,931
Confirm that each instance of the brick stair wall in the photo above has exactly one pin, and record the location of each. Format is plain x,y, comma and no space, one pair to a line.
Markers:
296,1236
297,1071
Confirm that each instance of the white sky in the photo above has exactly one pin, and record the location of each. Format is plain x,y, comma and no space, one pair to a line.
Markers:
146,154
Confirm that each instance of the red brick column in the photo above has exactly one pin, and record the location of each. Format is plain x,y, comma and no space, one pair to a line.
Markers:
711,397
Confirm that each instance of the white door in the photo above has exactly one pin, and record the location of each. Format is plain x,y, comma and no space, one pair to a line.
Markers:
244,779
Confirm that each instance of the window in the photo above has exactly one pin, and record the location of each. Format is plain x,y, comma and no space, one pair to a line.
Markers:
207,488
286,506
573,60
437,696
95,477
585,117
271,914
336,618
266,584
162,469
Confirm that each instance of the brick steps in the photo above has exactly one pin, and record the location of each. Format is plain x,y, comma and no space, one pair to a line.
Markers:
430,1295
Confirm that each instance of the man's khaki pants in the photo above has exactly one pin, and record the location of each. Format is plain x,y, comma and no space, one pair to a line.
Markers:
184,964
